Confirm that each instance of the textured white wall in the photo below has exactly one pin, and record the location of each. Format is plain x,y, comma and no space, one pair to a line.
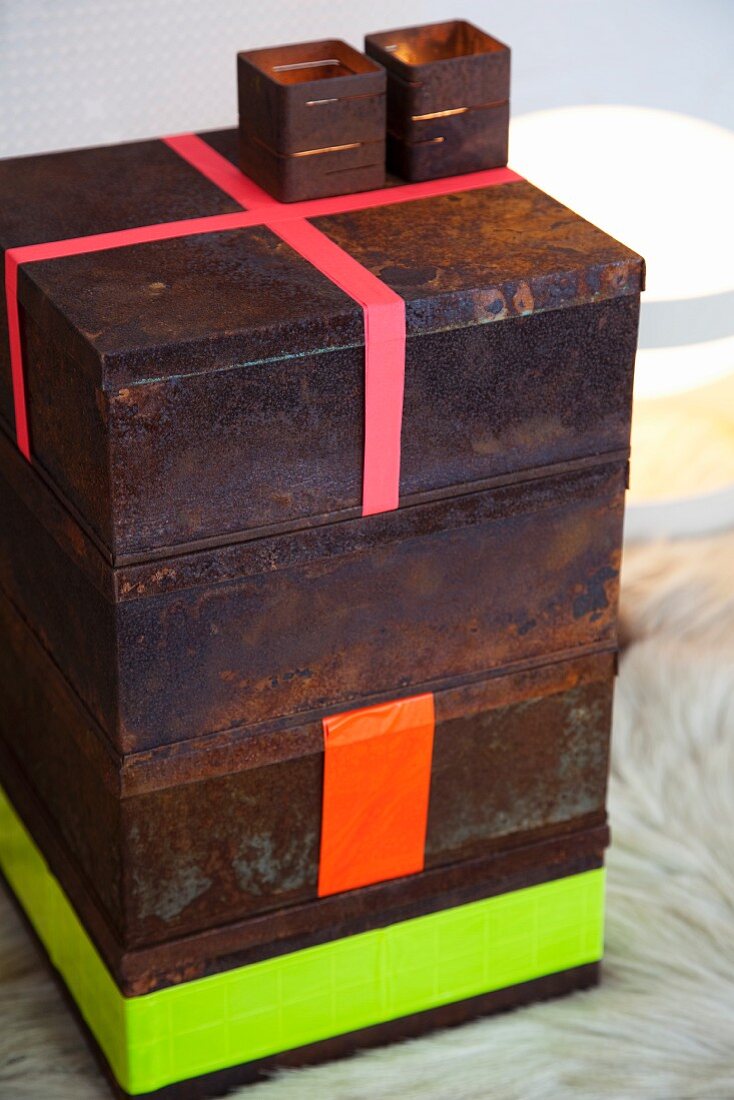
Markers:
80,72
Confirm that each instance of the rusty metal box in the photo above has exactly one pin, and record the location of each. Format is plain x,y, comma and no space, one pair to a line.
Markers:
188,588
186,543
165,845
448,98
210,388
312,119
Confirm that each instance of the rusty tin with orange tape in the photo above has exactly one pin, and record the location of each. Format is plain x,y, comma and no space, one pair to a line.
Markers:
448,98
240,833
312,119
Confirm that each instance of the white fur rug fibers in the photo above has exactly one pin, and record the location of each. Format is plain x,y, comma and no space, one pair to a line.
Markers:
661,1025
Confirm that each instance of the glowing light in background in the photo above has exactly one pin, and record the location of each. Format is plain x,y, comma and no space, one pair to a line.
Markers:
662,183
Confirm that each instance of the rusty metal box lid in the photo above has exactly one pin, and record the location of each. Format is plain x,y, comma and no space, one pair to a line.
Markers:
211,388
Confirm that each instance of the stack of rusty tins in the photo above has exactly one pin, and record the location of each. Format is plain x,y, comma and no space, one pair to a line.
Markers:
321,118
308,628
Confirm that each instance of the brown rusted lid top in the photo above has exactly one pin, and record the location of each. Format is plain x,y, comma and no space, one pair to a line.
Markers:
191,305
221,420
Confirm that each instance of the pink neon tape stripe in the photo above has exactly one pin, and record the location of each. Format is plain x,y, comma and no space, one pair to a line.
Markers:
384,311
384,366
384,322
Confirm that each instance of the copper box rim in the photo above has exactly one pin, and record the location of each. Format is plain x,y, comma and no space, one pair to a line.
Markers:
342,51
414,70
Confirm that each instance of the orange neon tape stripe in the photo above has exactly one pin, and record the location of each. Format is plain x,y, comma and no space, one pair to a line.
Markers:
377,778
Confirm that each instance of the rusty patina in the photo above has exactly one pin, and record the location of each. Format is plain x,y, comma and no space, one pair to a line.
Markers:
175,841
312,119
212,387
448,98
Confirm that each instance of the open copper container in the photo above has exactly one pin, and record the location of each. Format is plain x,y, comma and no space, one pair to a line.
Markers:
448,87
312,119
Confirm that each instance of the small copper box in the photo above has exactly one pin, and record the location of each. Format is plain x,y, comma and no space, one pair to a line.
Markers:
448,90
312,119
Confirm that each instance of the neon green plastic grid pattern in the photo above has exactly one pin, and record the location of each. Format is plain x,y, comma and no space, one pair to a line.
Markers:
260,1009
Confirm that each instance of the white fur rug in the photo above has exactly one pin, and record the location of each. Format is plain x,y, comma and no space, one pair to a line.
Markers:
661,1026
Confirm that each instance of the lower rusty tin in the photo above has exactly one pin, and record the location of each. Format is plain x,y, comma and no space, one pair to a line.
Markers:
316,621
144,969
448,88
172,843
164,1030
216,1084
312,119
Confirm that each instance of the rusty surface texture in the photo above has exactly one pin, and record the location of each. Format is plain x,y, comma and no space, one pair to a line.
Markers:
327,618
168,848
312,119
142,964
446,146
179,608
166,412
185,957
448,89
